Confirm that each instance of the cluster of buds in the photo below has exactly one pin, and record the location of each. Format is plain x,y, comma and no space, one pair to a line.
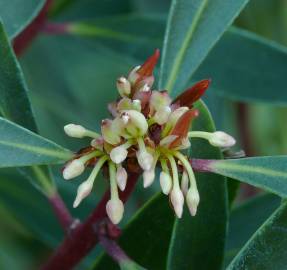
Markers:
148,129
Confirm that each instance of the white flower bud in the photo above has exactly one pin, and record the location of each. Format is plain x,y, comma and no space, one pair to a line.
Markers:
73,169
161,116
177,201
221,139
148,177
75,131
184,183
137,105
145,160
159,100
109,131
176,114
115,210
122,177
137,123
124,86
83,191
133,75
165,182
118,154
192,200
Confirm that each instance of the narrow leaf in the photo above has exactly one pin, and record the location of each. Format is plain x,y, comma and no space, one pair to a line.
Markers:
269,173
21,147
267,247
192,30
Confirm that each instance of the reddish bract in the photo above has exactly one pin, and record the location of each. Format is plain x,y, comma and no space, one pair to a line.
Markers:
149,65
182,126
191,95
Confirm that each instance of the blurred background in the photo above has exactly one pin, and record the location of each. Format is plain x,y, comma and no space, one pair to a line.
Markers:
71,68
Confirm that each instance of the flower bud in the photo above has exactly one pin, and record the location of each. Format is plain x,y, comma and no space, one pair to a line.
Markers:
159,100
137,105
148,177
121,177
109,132
221,139
124,104
75,131
115,210
118,154
161,116
133,75
137,124
124,86
184,183
177,201
83,191
145,160
165,182
176,114
192,200
73,169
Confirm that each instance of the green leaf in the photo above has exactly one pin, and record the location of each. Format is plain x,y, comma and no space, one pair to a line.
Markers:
246,67
267,247
192,30
269,173
21,147
205,233
16,15
245,219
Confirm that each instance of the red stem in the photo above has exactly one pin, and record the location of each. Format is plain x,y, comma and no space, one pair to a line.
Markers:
61,211
84,237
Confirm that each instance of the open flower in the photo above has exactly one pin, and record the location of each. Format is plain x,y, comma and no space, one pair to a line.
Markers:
149,127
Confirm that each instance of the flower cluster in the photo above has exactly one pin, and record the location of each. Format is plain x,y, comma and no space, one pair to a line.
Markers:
151,129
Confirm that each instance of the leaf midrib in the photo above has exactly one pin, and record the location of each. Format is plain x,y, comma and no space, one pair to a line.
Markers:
178,60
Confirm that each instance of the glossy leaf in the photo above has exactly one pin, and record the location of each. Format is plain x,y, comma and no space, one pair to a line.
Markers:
16,15
21,147
204,233
269,173
192,30
245,219
242,66
266,249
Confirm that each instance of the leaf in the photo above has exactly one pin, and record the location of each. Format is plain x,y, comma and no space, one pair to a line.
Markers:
192,30
269,173
16,15
15,105
266,249
255,211
242,66
205,233
21,147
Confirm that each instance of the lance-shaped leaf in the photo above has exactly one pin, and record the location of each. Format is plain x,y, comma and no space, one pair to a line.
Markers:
22,147
267,247
192,30
16,14
269,173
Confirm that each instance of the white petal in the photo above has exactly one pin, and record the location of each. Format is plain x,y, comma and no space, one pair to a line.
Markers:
177,201
145,160
165,182
118,154
148,177
73,169
122,177
115,210
192,200
83,191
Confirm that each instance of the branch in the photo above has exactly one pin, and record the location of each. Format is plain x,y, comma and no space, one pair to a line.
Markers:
83,238
61,211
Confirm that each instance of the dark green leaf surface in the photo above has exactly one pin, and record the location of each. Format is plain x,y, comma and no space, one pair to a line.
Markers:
192,30
21,147
242,66
266,250
204,234
269,173
17,14
245,219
